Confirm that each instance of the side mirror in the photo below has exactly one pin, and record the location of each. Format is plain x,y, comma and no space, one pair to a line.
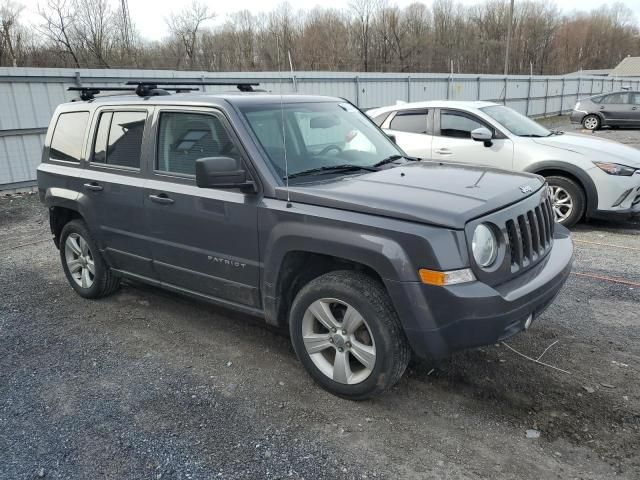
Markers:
221,172
482,135
392,137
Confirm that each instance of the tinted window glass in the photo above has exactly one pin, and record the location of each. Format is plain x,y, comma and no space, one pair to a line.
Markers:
635,98
124,140
186,137
68,136
456,125
414,121
616,98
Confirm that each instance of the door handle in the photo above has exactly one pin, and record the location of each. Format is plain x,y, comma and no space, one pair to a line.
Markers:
161,198
93,186
443,151
634,108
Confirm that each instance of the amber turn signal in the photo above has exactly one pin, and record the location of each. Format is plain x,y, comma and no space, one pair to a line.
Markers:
440,279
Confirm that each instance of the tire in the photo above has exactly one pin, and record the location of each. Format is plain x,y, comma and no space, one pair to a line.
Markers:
379,333
562,187
592,122
79,253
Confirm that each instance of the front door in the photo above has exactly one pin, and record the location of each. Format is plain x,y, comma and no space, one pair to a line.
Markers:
616,108
452,141
204,240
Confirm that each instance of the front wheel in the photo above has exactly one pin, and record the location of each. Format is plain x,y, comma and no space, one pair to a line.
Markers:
567,200
347,335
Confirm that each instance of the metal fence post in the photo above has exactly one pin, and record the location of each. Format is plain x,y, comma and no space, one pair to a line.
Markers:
449,86
408,88
546,98
357,83
78,79
562,97
506,86
479,83
529,94
591,87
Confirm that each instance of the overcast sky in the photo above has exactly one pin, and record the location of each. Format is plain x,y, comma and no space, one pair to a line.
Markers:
149,15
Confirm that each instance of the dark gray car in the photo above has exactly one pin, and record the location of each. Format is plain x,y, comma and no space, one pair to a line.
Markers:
301,211
617,109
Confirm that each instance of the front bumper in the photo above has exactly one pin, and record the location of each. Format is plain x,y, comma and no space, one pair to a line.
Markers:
441,320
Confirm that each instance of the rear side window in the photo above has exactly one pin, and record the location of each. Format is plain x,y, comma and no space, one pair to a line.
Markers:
616,98
186,137
68,136
411,121
119,139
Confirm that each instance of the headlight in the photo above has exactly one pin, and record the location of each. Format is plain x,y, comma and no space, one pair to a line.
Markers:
484,246
615,169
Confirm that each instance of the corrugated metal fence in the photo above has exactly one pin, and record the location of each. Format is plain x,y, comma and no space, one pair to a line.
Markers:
28,97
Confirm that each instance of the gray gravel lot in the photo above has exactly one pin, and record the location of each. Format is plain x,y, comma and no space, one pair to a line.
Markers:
147,384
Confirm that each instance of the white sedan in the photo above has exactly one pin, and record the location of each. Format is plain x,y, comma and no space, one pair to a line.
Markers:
590,177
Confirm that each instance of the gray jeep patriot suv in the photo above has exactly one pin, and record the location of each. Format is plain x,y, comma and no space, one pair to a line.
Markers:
300,210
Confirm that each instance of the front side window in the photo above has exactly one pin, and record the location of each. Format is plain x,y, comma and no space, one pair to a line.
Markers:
186,137
119,139
317,135
457,125
68,136
410,121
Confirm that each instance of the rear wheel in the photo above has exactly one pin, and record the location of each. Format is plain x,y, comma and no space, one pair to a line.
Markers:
591,122
348,336
567,200
85,269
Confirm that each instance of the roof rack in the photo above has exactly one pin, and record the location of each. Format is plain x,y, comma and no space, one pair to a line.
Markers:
242,86
147,88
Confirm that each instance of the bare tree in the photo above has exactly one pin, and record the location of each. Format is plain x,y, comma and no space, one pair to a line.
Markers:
58,26
10,34
364,12
186,26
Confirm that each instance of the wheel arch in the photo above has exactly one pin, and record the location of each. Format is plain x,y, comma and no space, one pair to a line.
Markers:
562,169
59,216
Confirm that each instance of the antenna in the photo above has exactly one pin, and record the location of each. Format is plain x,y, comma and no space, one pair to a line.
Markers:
284,133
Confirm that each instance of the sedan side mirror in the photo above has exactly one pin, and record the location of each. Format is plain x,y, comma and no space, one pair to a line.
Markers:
482,135
221,172
392,137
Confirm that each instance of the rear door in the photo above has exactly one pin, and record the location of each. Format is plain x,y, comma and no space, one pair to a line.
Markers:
616,108
412,131
633,114
204,240
114,186
452,141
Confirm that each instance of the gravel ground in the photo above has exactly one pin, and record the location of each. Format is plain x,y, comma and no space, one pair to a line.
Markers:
147,384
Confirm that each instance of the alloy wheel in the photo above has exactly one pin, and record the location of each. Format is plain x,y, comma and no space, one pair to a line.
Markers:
561,202
338,341
591,123
79,260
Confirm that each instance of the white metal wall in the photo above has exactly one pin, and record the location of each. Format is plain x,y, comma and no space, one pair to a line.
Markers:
28,97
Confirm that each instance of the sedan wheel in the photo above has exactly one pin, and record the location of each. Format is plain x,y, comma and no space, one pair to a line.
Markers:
561,202
338,341
79,260
591,122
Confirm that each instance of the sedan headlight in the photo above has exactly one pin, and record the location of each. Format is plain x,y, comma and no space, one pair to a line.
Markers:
615,169
484,246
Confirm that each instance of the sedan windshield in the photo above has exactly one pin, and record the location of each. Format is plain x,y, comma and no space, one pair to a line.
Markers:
323,138
515,122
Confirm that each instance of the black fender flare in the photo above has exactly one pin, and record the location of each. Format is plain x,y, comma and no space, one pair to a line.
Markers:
590,191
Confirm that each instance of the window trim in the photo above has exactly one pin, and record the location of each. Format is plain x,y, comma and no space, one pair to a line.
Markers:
94,134
187,179
498,134
80,160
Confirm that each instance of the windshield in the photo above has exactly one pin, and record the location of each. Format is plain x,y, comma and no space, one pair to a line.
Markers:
515,122
318,135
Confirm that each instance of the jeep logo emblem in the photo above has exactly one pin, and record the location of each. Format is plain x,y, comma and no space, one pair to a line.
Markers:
526,189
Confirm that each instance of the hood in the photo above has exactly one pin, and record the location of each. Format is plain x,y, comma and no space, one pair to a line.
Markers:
596,148
426,192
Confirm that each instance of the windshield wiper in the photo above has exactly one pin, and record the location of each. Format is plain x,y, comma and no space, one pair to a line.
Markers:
533,135
332,168
393,158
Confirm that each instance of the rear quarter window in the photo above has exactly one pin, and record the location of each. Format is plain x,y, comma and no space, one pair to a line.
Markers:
68,136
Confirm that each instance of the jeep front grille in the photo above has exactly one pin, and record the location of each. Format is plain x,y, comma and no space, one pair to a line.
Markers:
530,235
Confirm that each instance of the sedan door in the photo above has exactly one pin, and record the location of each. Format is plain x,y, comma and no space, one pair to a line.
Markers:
616,109
452,141
412,132
204,240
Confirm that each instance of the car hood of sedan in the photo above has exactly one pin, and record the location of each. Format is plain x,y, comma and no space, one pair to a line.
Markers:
596,148
426,192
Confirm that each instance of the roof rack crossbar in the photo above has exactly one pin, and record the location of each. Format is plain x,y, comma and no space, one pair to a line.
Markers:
89,93
242,86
